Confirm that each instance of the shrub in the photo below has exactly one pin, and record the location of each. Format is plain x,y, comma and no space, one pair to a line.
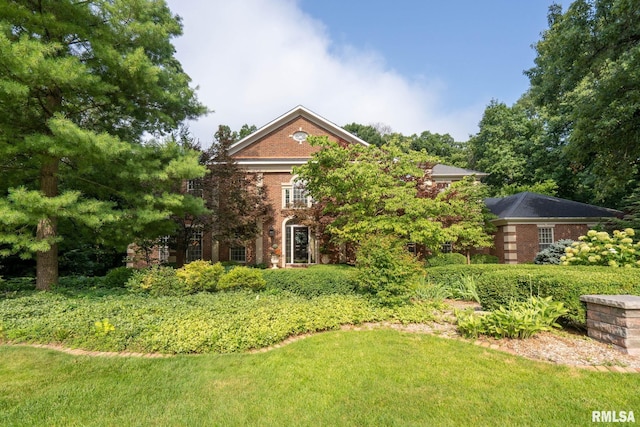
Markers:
446,259
553,254
117,277
242,278
499,284
484,259
387,271
599,248
200,276
80,282
157,280
313,281
518,320
15,284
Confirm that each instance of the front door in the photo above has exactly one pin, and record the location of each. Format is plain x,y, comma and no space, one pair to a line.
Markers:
297,244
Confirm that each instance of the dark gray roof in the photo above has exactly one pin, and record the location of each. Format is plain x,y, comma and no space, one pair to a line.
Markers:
533,205
446,170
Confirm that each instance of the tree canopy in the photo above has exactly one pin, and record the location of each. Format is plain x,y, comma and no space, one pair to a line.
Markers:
81,85
388,191
587,80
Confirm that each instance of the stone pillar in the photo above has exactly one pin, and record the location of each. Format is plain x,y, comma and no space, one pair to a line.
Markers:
614,319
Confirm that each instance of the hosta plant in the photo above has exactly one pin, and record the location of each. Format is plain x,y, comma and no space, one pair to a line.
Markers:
521,319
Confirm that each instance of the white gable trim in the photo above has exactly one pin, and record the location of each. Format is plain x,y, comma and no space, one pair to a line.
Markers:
298,111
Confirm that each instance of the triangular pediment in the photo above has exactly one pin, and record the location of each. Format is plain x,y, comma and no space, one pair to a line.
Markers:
283,139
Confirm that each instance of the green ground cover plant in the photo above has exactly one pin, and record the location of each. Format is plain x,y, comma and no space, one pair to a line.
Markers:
222,322
340,378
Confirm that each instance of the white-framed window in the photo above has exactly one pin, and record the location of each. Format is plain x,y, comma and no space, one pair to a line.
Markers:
295,196
194,247
163,250
238,254
194,187
545,237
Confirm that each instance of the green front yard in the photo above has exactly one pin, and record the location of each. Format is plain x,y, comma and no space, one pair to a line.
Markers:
380,377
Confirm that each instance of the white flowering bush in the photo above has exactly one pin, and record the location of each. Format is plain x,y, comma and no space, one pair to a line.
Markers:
601,248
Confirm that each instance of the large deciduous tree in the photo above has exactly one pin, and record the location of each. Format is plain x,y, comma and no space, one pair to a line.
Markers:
235,200
81,82
587,78
388,191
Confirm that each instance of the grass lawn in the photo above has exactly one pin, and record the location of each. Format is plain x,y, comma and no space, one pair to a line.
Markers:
377,378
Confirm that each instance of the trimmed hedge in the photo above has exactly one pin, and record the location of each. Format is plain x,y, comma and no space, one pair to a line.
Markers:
313,281
498,285
451,258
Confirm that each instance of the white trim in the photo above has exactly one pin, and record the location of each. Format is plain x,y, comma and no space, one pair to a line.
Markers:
546,222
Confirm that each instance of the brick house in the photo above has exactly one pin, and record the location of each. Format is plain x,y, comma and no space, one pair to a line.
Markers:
271,152
528,223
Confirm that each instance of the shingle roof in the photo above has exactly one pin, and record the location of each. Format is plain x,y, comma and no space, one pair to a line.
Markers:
446,170
533,205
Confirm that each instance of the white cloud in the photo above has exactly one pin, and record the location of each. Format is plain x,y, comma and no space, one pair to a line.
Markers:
254,60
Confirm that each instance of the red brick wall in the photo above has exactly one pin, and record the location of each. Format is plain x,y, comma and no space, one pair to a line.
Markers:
527,239
498,249
280,144
272,182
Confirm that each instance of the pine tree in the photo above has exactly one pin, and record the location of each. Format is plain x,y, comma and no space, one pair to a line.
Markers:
81,83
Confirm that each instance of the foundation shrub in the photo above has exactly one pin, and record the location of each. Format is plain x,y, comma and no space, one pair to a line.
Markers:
242,278
157,281
313,281
553,254
81,282
446,259
200,276
484,259
117,277
498,285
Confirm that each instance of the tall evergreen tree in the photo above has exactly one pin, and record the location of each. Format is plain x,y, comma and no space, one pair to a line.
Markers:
81,83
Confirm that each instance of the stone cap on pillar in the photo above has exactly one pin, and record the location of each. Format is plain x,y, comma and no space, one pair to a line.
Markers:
628,302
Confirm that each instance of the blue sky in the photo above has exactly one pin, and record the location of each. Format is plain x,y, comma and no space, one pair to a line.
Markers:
408,64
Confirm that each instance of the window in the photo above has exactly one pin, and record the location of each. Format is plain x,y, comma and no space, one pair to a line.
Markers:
194,187
545,237
296,196
163,250
412,248
238,254
446,248
194,249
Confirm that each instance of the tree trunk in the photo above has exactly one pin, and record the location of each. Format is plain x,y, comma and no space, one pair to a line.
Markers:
47,261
